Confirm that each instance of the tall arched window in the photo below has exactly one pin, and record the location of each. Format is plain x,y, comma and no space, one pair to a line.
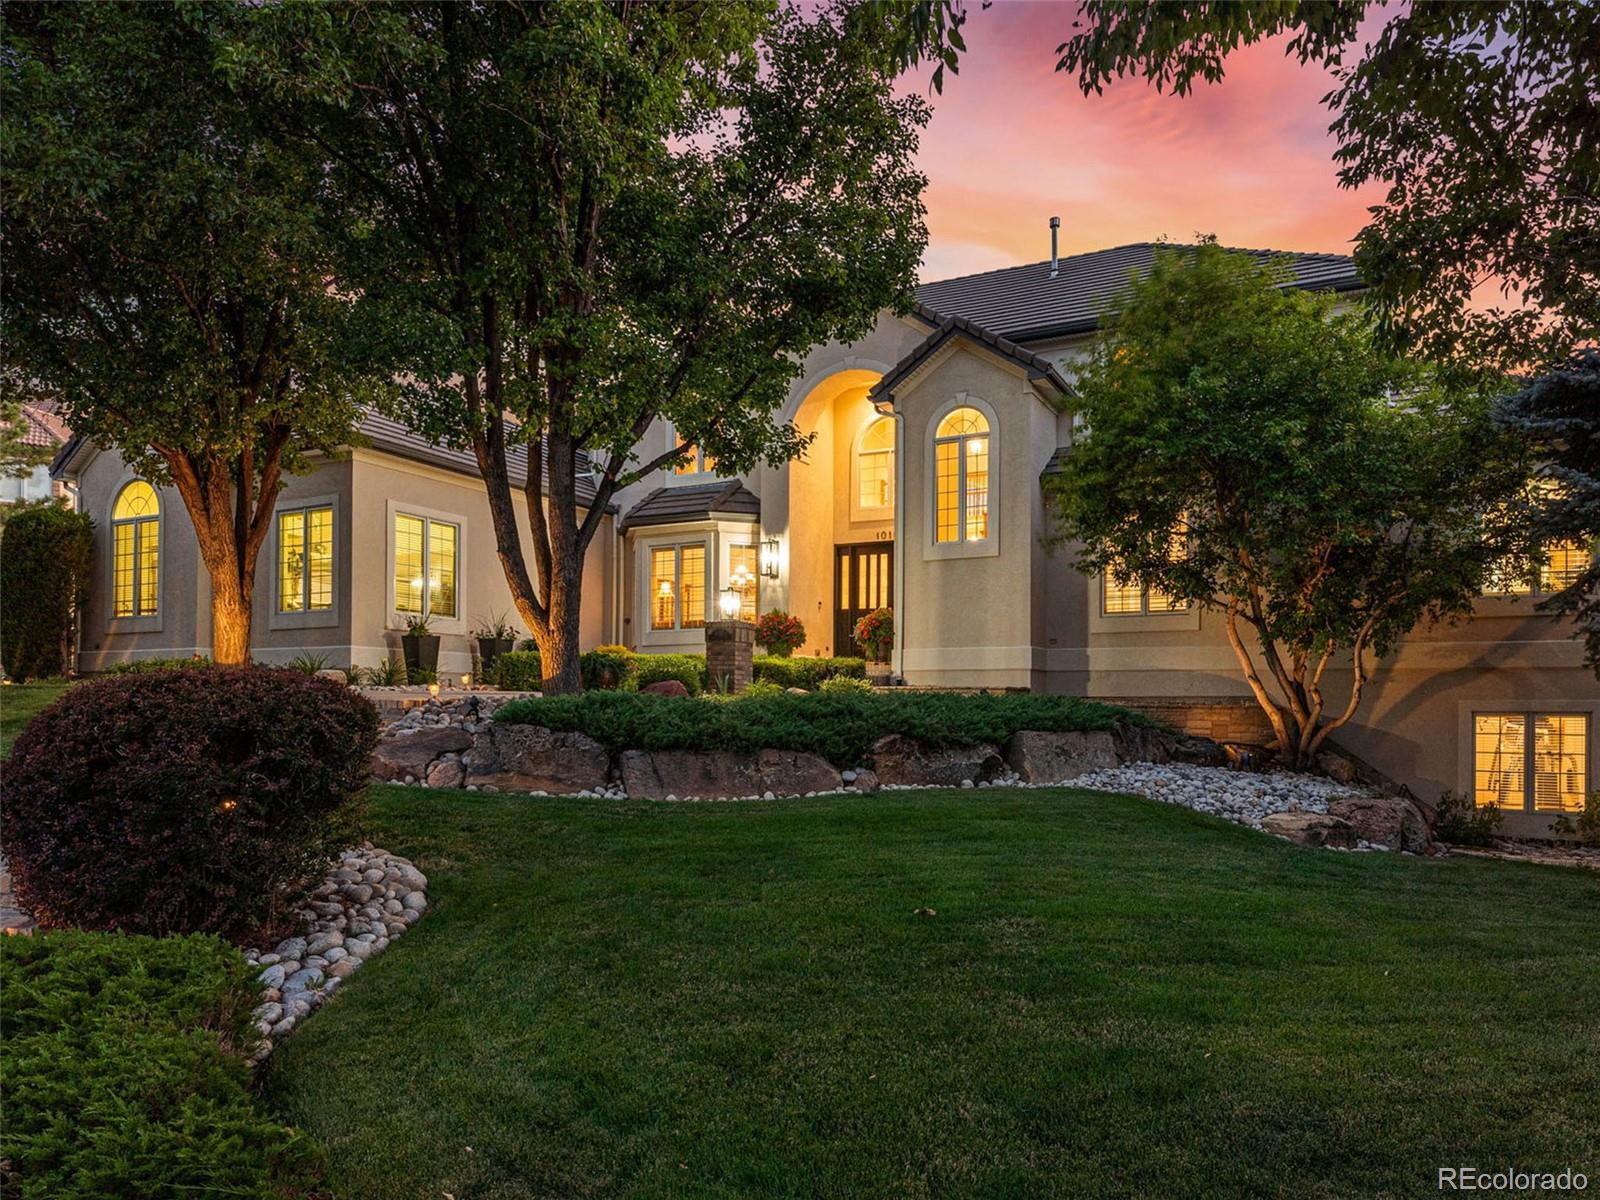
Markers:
875,465
961,477
136,551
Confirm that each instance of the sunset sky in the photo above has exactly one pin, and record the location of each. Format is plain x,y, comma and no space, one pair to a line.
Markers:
1013,142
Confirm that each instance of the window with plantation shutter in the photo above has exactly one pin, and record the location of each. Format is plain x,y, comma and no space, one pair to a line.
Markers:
1530,762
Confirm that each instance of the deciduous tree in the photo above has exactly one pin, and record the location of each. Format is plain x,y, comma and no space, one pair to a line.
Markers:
579,218
1252,451
168,269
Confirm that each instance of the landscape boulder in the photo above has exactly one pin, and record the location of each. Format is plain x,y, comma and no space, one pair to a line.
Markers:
1387,821
1142,743
531,758
412,753
665,687
690,774
1311,829
1057,756
901,760
795,772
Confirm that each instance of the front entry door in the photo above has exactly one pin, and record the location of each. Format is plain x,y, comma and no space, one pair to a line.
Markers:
863,578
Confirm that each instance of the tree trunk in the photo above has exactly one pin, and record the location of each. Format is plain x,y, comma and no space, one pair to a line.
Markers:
558,651
230,621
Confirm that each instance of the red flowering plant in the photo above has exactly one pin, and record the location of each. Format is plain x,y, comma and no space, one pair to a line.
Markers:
781,633
875,632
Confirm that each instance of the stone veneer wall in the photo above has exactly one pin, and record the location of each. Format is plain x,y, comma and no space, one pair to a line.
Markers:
1222,719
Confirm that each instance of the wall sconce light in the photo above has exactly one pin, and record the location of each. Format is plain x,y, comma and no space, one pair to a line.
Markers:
769,558
728,601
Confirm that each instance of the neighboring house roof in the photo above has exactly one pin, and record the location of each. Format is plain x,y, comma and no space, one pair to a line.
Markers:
946,327
725,499
1026,304
1057,463
43,427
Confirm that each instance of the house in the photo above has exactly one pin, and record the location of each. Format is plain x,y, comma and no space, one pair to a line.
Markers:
920,491
43,431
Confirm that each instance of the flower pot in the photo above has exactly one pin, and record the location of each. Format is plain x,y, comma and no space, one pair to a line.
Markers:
422,653
490,649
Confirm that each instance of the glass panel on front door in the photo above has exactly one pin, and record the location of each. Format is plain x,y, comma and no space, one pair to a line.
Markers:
864,581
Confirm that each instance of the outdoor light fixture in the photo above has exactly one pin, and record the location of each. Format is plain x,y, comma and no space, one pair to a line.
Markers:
769,558
728,602
466,681
433,690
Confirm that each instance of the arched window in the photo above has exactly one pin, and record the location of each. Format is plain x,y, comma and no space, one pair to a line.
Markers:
875,465
961,477
136,551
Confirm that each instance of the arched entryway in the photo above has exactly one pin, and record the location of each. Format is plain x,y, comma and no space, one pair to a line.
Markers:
841,506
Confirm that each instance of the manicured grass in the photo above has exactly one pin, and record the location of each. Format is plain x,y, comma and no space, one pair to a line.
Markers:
20,703
1113,998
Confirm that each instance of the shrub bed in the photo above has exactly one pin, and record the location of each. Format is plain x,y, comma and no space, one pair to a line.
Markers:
518,671
46,565
687,669
808,673
184,801
123,1074
839,726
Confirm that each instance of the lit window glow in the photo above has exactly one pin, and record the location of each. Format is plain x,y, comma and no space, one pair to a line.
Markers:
1545,774
875,465
961,477
305,560
426,556
135,551
678,573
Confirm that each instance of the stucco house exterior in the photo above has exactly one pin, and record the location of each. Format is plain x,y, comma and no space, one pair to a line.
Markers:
920,491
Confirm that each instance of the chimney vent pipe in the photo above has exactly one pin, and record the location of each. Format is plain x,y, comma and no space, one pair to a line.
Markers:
1055,262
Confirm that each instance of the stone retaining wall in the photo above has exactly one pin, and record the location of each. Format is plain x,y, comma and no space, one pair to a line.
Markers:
494,756
1222,719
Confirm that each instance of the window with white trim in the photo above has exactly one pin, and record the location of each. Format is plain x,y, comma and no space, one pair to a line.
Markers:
1534,762
744,577
875,465
678,586
426,561
1133,599
136,551
961,477
305,559
697,463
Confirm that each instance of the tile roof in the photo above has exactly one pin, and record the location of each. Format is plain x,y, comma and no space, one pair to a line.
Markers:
944,328
43,427
696,502
385,433
1025,304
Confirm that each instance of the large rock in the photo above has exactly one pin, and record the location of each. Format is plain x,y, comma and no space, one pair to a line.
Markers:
703,774
1141,743
447,773
397,757
1055,757
665,687
1311,829
531,758
794,772
901,760
1387,821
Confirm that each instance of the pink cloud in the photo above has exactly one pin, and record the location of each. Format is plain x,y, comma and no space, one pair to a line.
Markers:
1013,142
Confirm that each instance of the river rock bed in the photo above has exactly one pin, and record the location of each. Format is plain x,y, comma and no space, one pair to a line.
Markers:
369,898
1246,797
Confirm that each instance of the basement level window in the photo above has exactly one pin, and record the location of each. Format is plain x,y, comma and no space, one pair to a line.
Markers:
1530,761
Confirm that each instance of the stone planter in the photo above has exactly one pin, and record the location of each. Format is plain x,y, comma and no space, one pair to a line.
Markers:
421,653
490,649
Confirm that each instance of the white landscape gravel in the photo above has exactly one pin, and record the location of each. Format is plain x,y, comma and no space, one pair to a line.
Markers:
1243,796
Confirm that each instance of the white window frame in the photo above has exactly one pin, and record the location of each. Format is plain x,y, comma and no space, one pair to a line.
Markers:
321,617
874,512
678,625
397,619
987,547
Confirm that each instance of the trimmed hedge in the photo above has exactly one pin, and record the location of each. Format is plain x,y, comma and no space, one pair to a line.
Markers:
841,727
518,671
123,1075
46,564
808,673
687,669
184,801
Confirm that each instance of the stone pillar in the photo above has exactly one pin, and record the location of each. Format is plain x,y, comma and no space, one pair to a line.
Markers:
730,646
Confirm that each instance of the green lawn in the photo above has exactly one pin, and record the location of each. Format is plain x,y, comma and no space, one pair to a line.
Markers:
1114,998
20,703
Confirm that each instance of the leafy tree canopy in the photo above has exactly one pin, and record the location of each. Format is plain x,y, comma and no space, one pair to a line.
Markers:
168,268
578,218
1482,119
1250,449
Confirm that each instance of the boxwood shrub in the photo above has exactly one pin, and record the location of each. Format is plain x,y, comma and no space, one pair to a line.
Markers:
839,726
124,1077
518,671
807,673
183,801
687,669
